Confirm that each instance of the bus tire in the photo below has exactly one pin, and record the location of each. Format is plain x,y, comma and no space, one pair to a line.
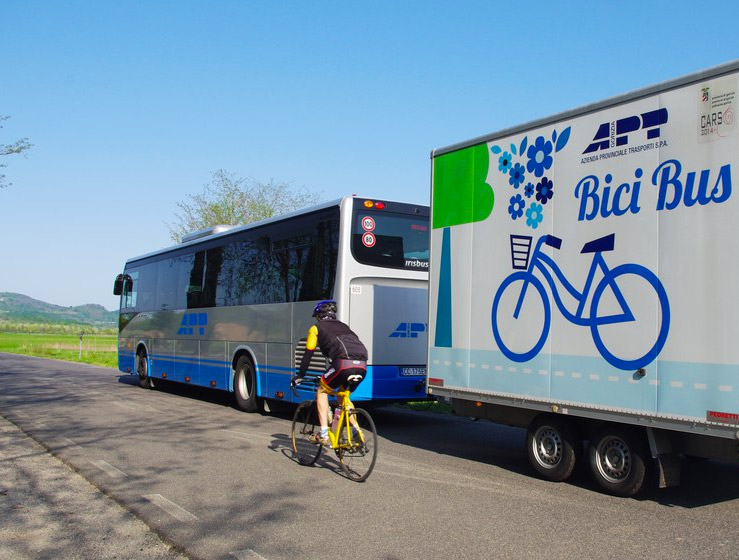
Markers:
245,385
142,369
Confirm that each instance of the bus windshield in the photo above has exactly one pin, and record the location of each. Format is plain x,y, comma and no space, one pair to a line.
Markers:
390,239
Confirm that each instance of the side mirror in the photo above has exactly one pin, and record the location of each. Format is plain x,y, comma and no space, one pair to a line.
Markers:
123,283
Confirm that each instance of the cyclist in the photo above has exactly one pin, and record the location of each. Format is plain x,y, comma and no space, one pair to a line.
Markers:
347,356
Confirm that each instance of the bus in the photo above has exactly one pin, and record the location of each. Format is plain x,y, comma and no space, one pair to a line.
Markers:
230,307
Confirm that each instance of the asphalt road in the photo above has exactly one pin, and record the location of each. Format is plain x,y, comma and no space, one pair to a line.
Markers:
219,483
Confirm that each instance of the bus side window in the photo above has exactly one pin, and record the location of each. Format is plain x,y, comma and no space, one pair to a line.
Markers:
213,265
194,280
167,277
147,287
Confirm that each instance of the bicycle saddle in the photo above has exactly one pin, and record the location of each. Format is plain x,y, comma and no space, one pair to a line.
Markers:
600,245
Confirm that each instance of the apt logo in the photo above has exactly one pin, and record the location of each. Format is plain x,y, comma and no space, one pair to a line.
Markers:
192,321
614,134
408,330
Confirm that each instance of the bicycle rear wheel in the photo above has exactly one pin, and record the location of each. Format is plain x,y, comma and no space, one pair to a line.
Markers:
358,447
305,425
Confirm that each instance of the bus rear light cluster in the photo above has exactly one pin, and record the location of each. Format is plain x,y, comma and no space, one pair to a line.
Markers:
372,204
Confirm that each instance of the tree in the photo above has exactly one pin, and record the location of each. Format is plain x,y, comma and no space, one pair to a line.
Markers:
17,147
231,200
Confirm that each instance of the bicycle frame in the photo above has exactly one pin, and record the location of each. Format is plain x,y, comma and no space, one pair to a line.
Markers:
539,259
345,404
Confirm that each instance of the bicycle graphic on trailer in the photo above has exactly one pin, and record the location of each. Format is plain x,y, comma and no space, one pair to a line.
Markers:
520,247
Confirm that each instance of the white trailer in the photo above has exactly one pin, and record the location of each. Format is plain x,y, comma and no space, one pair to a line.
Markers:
584,281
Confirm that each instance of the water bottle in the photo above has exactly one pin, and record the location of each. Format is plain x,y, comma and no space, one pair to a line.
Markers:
337,414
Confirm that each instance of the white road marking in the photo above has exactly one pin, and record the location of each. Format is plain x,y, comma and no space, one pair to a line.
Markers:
171,508
676,384
247,554
700,386
69,443
108,468
725,388
247,435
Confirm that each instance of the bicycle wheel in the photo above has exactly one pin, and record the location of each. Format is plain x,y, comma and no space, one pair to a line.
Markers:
618,275
521,331
357,449
305,425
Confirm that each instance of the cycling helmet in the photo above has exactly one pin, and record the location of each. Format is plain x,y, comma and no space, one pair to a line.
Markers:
325,308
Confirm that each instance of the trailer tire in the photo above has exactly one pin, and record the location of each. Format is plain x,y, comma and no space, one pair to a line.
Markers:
617,460
245,385
551,448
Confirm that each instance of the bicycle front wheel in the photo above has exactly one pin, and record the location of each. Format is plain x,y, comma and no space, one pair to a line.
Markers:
305,426
357,448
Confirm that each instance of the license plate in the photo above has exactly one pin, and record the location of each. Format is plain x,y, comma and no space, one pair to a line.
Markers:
413,370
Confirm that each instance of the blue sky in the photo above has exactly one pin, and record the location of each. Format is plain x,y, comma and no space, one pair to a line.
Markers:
132,105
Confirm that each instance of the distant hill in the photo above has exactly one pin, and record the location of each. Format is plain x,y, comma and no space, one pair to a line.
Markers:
17,307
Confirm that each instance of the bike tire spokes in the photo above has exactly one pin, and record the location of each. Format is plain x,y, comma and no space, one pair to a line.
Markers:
358,445
305,426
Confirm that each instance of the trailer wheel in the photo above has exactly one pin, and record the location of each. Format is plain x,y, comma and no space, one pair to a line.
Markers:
245,385
551,448
617,459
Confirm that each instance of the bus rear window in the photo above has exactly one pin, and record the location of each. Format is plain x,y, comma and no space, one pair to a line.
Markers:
390,239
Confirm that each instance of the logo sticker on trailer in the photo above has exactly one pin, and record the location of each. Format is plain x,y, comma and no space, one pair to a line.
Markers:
368,239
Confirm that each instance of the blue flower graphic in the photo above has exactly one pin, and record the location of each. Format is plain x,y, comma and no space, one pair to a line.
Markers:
544,190
539,156
528,190
515,209
504,162
517,175
534,215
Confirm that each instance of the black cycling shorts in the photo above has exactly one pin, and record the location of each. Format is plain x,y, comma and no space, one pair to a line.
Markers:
348,373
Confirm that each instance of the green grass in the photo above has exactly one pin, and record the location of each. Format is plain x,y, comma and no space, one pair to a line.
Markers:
99,350
431,406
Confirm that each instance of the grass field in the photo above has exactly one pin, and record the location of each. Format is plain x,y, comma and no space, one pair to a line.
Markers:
99,350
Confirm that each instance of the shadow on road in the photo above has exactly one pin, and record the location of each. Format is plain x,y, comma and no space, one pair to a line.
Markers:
703,482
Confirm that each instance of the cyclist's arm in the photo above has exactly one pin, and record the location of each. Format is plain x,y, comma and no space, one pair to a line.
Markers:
310,347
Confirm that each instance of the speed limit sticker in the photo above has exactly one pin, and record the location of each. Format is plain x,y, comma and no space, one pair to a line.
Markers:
368,223
368,239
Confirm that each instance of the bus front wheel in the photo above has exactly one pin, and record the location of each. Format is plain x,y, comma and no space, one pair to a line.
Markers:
245,385
142,369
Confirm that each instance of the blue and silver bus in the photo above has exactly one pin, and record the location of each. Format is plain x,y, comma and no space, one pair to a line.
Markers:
230,307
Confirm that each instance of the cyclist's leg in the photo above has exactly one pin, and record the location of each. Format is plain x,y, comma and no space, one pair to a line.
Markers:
327,383
353,377
322,404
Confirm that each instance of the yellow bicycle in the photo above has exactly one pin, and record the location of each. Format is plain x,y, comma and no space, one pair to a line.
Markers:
352,434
